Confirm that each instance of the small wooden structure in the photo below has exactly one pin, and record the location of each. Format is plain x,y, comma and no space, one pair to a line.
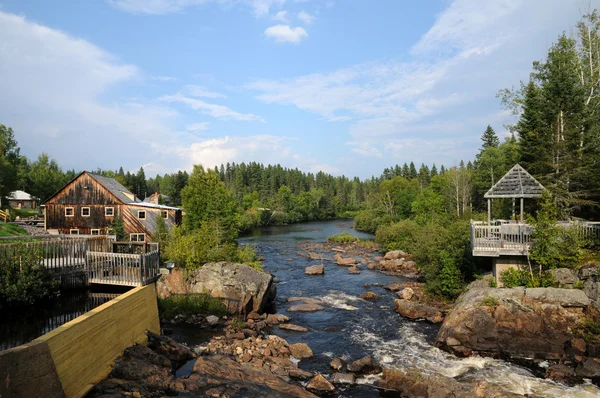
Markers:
90,203
96,259
21,200
516,184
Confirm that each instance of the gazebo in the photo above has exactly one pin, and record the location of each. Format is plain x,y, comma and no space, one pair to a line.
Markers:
516,184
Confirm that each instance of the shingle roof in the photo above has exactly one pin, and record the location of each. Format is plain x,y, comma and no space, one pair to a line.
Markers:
517,183
20,195
115,188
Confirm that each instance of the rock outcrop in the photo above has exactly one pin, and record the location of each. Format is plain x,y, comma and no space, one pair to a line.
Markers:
243,288
539,323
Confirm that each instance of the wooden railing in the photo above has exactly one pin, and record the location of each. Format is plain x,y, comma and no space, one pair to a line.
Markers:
4,216
122,268
91,255
515,239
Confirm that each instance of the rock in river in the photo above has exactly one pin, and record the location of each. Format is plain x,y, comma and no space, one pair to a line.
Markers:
414,310
337,363
314,270
295,328
364,365
250,289
304,304
300,351
319,384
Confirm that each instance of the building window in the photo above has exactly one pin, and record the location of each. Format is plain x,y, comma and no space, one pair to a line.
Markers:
109,211
164,214
141,214
95,232
137,237
69,212
85,212
74,231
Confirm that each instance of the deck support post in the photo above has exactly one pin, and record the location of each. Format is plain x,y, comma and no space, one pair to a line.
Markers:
521,210
489,212
513,208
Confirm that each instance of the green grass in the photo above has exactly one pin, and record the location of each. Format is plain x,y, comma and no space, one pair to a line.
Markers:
24,213
11,230
344,237
190,304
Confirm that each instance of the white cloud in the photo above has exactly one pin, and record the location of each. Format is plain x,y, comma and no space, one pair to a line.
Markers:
281,16
199,91
286,34
470,52
163,7
306,17
164,78
214,110
195,127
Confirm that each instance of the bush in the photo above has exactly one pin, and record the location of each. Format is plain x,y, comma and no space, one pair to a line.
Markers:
23,279
366,221
344,237
190,304
398,236
492,282
194,249
490,301
513,277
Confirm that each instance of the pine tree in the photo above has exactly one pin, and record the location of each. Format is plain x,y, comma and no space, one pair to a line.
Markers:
489,138
412,171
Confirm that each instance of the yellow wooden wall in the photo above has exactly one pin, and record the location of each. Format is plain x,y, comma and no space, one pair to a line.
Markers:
84,349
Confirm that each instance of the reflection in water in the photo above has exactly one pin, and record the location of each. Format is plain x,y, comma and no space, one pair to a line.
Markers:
23,324
351,327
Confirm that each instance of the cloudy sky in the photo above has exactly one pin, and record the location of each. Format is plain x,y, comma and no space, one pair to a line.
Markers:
344,86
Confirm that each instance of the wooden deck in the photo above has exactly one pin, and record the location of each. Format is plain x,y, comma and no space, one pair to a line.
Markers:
512,239
94,257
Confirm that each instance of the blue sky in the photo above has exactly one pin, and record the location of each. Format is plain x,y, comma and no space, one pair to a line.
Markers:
347,86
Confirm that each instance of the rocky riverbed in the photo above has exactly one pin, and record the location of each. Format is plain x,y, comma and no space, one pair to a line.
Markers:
337,331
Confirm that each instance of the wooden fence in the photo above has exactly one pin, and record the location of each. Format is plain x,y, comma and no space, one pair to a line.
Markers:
515,239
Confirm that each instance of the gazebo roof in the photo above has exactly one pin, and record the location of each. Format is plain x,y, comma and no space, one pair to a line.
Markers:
517,183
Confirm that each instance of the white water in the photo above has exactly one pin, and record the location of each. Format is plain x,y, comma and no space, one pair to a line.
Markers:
337,299
412,350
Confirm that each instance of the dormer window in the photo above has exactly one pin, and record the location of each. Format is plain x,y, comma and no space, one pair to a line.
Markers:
142,214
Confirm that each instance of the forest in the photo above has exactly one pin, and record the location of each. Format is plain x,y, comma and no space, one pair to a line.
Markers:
426,211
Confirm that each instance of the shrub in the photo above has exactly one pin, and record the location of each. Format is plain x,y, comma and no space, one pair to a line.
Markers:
344,237
23,278
492,282
398,236
367,221
514,277
190,304
589,330
490,301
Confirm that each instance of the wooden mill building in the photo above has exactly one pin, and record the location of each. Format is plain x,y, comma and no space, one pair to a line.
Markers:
90,203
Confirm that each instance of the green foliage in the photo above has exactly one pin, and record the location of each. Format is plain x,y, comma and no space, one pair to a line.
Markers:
515,277
10,160
554,246
118,229
237,323
208,204
490,301
191,250
161,233
589,330
23,279
344,237
492,282
369,220
449,280
578,285
190,304
45,177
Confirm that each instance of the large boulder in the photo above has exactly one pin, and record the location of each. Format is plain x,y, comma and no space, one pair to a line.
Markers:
564,277
243,288
519,322
413,382
314,270
415,310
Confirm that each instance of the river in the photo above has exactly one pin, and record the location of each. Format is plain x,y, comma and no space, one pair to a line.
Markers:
351,327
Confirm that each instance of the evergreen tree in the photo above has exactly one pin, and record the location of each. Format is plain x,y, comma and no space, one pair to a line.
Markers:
489,138
412,173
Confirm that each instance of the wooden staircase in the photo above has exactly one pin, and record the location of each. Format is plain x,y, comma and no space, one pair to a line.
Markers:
4,216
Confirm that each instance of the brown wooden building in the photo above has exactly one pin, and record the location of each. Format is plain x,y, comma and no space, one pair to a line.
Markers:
89,204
